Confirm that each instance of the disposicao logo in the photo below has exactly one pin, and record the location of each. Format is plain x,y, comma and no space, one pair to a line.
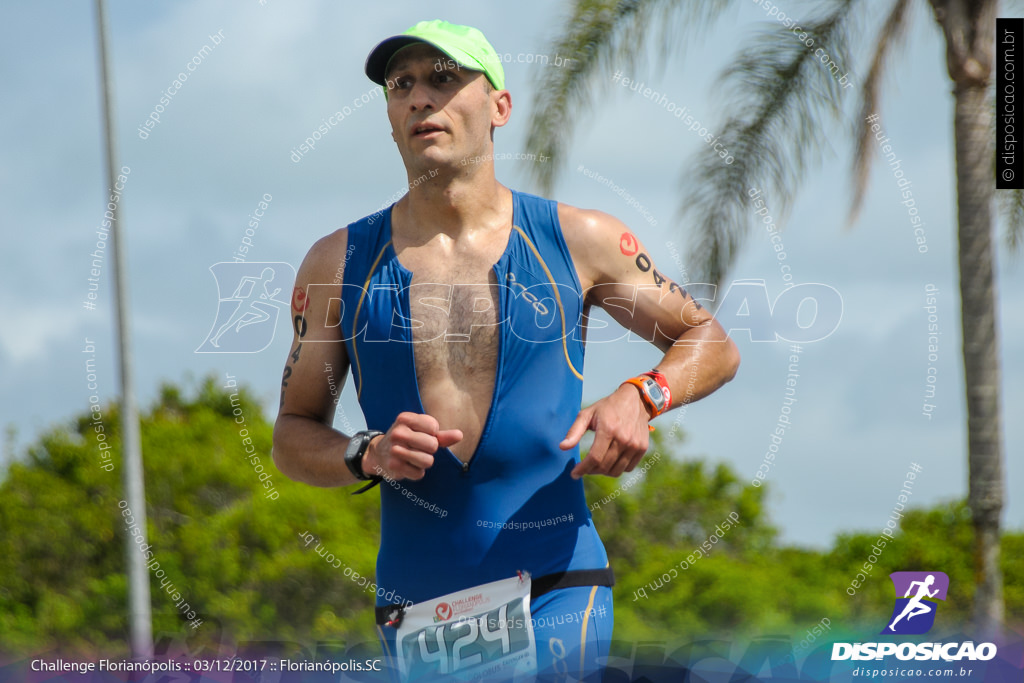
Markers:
914,614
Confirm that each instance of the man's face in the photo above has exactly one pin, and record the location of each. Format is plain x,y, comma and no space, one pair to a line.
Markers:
440,113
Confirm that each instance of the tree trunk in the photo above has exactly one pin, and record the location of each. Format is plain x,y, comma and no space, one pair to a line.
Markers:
975,181
969,28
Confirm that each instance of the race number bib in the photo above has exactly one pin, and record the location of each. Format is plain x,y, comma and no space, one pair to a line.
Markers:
484,632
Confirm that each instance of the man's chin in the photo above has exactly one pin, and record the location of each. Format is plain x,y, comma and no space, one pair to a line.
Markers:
433,160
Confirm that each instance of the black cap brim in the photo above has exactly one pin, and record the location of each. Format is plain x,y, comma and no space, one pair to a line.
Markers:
377,61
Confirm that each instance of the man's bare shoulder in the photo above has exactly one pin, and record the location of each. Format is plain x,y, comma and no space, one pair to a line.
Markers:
325,260
576,220
593,238
589,226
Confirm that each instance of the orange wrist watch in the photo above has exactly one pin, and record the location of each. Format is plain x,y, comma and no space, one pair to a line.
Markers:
654,391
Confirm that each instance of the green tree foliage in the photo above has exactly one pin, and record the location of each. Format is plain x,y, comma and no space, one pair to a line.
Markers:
233,553
680,572
939,538
238,556
745,583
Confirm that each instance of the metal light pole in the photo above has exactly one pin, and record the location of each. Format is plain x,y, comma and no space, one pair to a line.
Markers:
140,618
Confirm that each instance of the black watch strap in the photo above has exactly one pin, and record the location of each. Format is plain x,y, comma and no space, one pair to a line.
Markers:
357,446
376,480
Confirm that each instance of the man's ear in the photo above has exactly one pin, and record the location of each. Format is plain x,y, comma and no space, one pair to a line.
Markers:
503,107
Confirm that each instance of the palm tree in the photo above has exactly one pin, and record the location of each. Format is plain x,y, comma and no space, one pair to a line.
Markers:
783,102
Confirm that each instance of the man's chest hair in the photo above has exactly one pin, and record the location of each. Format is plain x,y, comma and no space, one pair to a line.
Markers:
454,316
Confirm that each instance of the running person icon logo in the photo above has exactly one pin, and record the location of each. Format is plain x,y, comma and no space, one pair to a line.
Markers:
247,317
914,613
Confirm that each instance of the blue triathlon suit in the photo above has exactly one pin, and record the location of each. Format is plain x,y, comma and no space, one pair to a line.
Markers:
514,505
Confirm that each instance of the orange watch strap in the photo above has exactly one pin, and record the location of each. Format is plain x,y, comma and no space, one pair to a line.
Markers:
639,384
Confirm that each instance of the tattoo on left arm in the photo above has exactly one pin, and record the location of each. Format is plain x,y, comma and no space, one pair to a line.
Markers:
629,246
300,302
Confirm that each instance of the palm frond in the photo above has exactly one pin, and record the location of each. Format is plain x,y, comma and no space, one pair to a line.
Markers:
891,37
783,95
601,36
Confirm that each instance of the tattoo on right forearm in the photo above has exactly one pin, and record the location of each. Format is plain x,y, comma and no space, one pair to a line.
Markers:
294,358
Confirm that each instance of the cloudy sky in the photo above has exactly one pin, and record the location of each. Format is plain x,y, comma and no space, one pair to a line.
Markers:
225,139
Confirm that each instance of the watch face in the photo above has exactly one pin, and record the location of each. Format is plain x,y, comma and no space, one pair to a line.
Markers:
655,392
353,446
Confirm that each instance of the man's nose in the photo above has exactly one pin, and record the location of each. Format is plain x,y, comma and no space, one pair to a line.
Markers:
421,96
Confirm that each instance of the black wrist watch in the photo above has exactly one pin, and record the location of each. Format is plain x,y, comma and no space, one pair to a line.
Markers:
356,450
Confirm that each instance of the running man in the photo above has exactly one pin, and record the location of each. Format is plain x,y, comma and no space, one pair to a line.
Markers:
916,606
462,314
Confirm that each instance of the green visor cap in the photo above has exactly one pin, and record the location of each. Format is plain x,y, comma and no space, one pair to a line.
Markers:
466,45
